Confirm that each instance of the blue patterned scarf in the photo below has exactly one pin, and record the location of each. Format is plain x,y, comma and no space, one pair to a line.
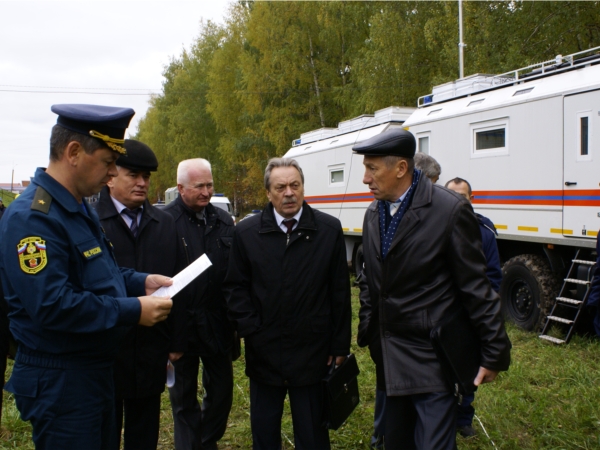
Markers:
386,231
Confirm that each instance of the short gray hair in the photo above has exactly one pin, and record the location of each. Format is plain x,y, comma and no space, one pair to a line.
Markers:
428,165
184,167
281,162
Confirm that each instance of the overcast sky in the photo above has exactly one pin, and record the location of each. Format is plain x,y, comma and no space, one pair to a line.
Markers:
99,52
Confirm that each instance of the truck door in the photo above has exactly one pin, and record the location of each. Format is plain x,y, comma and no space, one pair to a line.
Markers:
581,152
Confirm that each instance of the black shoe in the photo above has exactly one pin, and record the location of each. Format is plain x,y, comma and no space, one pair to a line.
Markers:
466,431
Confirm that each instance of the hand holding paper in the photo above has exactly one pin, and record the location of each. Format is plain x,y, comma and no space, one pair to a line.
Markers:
185,277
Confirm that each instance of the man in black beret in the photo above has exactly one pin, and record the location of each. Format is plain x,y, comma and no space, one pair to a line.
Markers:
144,239
70,304
423,261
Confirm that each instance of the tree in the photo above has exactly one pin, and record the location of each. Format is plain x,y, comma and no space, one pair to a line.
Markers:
178,125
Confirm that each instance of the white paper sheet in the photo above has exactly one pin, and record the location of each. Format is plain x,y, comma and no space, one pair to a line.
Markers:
185,277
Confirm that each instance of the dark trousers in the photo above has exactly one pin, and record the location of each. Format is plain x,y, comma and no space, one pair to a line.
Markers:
266,410
421,422
142,422
377,439
197,427
465,411
68,408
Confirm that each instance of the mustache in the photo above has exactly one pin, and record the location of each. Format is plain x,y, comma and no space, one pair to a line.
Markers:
290,200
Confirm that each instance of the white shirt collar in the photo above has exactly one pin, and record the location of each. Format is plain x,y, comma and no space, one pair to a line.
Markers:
279,219
395,205
120,207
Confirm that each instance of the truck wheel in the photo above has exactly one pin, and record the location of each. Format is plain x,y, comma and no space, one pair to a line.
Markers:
528,291
358,261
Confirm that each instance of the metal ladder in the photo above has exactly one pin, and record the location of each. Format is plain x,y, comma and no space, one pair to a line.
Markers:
571,300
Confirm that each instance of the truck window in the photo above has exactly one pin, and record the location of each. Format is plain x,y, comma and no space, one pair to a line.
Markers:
523,91
583,135
476,102
424,145
336,176
488,139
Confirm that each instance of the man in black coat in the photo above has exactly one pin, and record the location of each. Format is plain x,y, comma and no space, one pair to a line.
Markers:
288,292
423,261
144,238
202,228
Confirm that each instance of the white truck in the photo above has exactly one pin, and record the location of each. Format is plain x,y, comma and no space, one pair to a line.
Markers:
528,141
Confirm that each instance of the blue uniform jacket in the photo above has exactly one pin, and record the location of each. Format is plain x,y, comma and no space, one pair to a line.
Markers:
68,299
490,250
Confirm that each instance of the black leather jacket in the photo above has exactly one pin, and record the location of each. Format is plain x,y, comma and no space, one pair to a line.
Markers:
435,264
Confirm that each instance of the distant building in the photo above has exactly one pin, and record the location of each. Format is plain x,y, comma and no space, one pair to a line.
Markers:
17,188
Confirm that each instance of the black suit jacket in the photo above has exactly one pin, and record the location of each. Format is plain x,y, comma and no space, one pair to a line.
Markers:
209,331
141,363
290,300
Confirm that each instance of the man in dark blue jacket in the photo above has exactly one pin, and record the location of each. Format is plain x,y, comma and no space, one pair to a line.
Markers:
488,234
594,297
70,304
466,412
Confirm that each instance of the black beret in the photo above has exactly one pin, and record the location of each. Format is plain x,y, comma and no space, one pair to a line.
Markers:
107,123
139,157
392,142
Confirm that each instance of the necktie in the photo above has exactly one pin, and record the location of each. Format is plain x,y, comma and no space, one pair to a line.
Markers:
289,223
132,214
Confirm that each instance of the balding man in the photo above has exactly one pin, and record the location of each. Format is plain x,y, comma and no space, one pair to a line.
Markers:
202,228
466,412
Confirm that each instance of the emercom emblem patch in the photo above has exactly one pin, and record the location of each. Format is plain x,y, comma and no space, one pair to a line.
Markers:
32,254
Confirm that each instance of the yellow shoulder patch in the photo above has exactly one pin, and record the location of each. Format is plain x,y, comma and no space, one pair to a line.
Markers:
32,254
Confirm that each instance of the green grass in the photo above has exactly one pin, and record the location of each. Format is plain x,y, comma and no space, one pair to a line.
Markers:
549,399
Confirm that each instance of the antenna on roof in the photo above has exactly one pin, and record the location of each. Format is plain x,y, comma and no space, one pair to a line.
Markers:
461,44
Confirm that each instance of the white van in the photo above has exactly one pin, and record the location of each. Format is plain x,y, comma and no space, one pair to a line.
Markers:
220,201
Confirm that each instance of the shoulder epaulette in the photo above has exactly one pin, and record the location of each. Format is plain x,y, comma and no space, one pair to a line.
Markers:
41,201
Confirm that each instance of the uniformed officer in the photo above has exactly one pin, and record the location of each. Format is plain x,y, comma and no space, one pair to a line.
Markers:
69,302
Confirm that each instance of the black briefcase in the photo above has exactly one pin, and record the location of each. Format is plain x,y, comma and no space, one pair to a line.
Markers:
458,349
340,389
